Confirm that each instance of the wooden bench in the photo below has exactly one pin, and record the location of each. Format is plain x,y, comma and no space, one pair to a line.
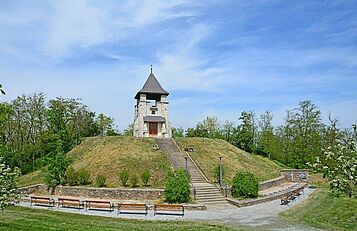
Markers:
99,205
291,196
132,208
44,201
70,203
169,209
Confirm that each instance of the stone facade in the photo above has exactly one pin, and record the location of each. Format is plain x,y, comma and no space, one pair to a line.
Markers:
151,117
89,192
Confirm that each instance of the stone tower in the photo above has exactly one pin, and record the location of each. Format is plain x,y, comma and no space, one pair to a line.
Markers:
152,110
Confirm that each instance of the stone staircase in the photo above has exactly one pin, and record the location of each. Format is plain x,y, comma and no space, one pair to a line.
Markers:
206,193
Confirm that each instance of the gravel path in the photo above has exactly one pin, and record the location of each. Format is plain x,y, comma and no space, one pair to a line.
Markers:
258,217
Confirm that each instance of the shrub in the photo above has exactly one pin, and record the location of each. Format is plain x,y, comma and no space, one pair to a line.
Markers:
124,177
72,176
83,177
145,176
100,180
177,189
134,181
245,184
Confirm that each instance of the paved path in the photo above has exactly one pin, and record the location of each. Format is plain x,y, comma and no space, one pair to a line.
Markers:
258,217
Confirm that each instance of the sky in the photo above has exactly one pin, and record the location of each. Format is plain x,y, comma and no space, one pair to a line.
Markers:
216,58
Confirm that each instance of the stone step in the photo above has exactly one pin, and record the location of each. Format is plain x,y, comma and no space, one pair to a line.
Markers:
206,188
213,200
203,198
208,192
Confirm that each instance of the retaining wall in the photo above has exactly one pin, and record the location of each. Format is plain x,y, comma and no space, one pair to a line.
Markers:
89,192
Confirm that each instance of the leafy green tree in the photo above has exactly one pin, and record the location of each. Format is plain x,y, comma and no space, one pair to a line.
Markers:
8,189
302,135
244,134
209,127
55,173
178,133
104,124
129,131
227,131
339,165
265,139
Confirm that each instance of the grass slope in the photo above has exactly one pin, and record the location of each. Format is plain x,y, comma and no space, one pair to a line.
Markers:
322,210
110,155
207,152
19,218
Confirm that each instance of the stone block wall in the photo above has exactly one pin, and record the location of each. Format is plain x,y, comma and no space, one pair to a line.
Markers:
271,183
295,175
89,192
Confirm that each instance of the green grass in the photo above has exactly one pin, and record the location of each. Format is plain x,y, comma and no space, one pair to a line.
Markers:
207,152
19,218
32,178
322,210
110,155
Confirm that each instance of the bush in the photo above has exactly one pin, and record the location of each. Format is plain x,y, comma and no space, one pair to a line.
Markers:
100,180
134,181
72,176
145,176
124,177
83,177
177,189
245,184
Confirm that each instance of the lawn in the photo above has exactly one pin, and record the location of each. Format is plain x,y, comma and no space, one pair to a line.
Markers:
207,152
110,155
19,218
322,210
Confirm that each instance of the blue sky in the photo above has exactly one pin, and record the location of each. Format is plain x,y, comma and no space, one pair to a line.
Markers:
216,58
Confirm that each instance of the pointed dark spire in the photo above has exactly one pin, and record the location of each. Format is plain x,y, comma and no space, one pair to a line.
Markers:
151,68
152,88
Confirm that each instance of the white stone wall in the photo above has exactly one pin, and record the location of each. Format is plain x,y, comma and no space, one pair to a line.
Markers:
141,129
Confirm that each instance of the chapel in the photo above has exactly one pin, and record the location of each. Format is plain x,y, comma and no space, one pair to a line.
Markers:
152,110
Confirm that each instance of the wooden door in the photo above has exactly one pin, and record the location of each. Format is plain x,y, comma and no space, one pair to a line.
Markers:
152,128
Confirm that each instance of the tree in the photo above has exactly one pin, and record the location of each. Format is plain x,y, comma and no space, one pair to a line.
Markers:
303,135
104,124
129,131
266,141
227,131
339,165
178,133
209,127
55,173
7,184
245,132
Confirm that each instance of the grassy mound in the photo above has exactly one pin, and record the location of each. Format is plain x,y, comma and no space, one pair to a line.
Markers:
110,155
322,210
207,152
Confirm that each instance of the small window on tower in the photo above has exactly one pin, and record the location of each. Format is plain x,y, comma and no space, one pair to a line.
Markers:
153,112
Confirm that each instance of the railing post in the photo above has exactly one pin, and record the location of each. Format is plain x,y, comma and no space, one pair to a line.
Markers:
186,165
220,171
